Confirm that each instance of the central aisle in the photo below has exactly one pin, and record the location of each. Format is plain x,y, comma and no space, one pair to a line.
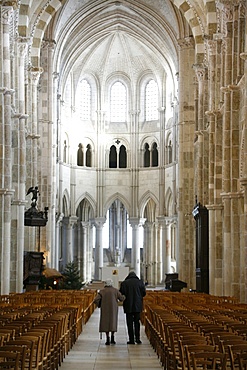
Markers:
90,352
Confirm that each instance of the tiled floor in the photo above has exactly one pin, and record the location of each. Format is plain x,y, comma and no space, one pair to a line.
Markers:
90,352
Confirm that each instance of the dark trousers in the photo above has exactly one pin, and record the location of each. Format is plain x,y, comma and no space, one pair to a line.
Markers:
133,325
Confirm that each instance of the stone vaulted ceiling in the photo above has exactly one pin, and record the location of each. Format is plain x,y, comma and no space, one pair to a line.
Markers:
108,37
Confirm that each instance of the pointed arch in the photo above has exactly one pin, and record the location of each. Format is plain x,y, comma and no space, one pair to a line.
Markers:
117,196
66,203
89,199
145,199
169,202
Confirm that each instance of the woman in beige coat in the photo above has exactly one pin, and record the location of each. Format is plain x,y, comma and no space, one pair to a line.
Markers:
107,300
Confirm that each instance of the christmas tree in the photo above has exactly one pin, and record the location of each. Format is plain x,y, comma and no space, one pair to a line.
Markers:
71,277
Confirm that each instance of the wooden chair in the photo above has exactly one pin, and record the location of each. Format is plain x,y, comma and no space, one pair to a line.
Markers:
189,341
22,350
30,348
208,360
235,350
196,348
9,360
36,362
242,361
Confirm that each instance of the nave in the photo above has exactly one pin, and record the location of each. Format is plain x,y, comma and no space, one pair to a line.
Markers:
90,352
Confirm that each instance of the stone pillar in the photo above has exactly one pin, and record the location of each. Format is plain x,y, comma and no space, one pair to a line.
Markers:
201,143
20,201
90,257
243,183
58,241
243,265
215,207
186,174
70,245
162,246
149,251
215,249
32,146
135,223
168,247
99,223
5,149
84,247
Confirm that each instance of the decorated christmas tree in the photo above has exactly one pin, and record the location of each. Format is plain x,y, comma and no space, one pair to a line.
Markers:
71,277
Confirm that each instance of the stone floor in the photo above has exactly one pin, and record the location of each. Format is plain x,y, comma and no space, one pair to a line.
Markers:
90,352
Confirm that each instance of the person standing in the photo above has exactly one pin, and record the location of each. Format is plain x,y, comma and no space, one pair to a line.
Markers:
134,290
107,300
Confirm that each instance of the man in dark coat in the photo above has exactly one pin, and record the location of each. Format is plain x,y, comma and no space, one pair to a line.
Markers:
134,290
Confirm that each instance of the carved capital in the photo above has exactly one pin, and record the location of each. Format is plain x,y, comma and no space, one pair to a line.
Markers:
6,12
201,71
35,74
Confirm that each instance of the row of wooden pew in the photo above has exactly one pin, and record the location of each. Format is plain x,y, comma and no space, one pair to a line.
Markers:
196,331
37,329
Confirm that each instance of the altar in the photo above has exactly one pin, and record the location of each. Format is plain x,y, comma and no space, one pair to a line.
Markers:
116,273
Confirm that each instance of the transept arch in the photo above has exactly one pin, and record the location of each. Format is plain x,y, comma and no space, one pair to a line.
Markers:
41,17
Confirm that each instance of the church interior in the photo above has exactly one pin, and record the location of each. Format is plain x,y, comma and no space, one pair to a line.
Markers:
123,140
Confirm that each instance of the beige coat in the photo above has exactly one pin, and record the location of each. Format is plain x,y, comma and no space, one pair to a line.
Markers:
109,297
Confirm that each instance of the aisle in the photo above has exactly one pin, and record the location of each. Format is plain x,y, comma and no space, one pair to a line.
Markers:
90,352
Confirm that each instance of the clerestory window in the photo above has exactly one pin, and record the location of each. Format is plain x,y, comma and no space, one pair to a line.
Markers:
151,101
85,100
118,102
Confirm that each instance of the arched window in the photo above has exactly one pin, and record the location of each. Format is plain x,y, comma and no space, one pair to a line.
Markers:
154,153
122,157
80,155
151,101
113,157
169,152
85,101
146,156
118,102
151,156
118,157
89,156
65,151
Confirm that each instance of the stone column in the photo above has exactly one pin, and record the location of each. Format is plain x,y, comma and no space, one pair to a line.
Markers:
99,223
201,144
162,246
243,265
84,250
32,146
186,174
90,257
134,162
5,149
70,245
21,202
149,251
58,241
135,223
243,183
